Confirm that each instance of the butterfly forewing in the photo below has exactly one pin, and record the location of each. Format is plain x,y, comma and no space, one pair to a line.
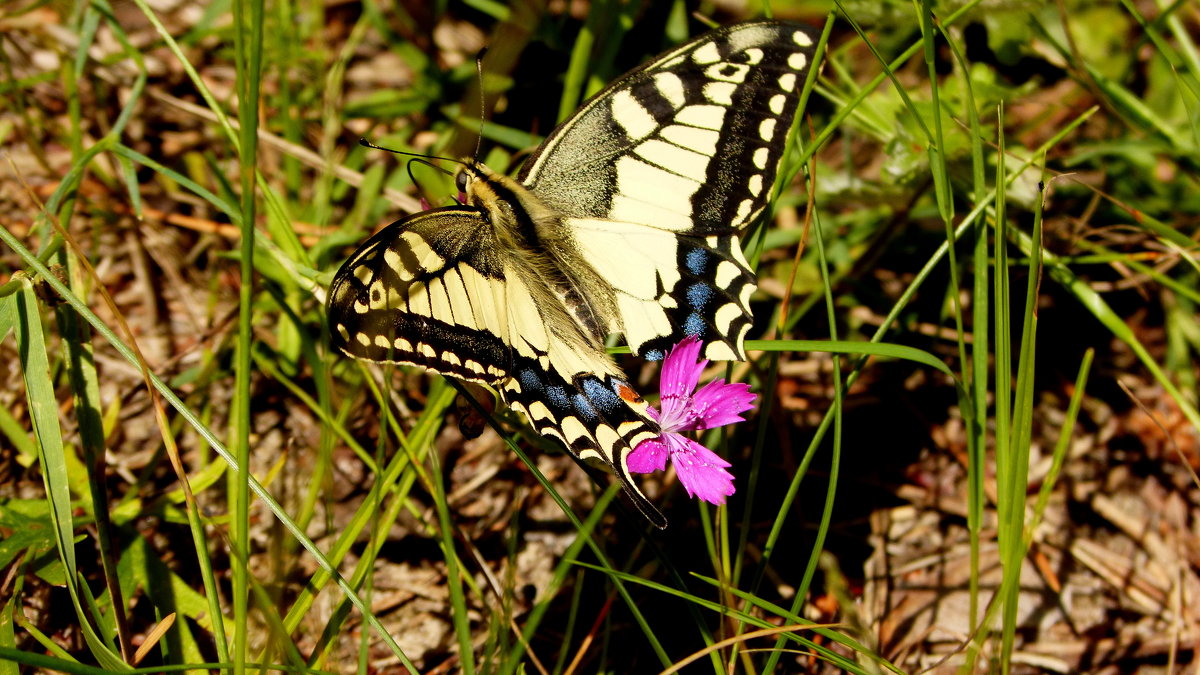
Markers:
689,145
439,290
428,291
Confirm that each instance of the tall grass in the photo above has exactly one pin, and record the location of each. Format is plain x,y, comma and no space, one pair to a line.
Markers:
190,576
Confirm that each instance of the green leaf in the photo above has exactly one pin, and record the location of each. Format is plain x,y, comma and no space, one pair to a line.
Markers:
17,435
6,316
389,103
20,531
141,568
8,637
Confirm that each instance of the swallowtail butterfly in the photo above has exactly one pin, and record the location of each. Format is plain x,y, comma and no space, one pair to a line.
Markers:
625,220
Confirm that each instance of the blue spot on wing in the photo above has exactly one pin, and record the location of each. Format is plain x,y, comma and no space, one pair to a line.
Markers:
557,396
531,381
601,396
583,408
696,260
653,355
695,325
699,294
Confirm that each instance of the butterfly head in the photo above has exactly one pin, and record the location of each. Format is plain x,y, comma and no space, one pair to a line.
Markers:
481,187
464,178
471,180
503,202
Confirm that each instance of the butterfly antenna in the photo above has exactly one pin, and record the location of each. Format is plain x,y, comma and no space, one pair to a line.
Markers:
411,177
420,160
368,144
482,100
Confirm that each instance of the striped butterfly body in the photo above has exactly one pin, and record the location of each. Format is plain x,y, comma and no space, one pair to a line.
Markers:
625,220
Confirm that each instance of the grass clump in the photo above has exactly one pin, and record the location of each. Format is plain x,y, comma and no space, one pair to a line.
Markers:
975,348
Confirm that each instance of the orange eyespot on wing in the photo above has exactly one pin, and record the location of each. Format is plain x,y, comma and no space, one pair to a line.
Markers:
627,393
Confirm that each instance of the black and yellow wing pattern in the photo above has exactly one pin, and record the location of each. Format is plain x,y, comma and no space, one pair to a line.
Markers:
626,220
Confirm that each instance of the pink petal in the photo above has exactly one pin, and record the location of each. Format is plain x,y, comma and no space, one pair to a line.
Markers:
679,377
718,404
700,470
648,457
680,371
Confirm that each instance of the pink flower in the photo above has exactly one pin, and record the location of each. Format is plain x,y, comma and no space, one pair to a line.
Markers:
717,403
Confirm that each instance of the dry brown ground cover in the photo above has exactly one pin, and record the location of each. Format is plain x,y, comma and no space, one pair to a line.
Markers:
1109,583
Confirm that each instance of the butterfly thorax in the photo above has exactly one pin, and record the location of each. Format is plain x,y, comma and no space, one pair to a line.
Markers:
535,234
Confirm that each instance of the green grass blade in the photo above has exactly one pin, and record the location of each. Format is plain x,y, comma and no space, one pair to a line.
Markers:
835,451
569,560
576,75
1095,303
248,33
43,411
1012,532
895,351
1062,446
753,620
458,605
81,369
205,433
638,616
8,634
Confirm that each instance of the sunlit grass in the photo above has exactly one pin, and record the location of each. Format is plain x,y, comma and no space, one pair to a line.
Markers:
246,576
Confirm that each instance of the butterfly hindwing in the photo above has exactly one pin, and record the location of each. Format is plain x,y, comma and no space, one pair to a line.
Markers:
688,145
668,285
597,416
